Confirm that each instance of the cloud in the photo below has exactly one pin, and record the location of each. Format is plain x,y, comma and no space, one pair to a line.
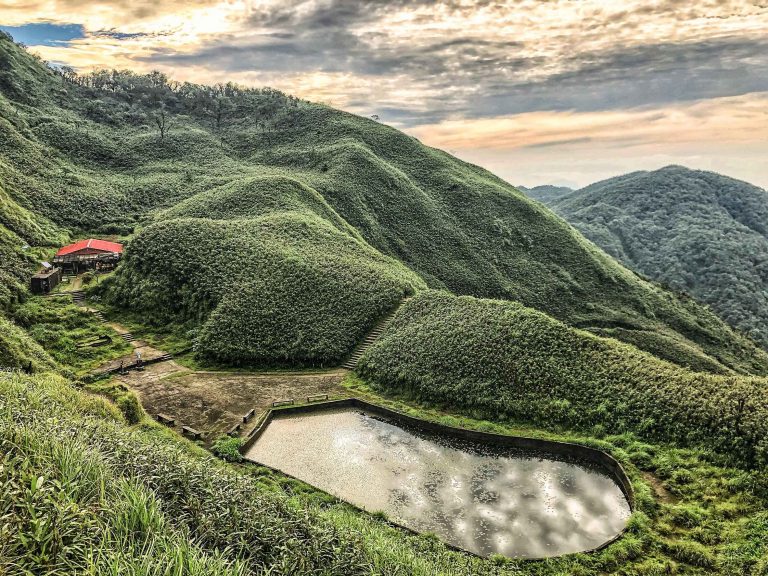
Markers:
429,66
723,134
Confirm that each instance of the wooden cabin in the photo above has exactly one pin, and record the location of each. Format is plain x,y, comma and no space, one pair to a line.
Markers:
89,254
44,282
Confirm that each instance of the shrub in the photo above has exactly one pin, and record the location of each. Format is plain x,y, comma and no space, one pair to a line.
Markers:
228,448
691,553
130,408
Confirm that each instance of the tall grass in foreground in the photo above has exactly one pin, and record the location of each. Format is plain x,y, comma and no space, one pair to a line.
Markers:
81,492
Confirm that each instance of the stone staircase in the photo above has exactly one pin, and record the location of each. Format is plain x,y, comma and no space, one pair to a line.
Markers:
78,297
127,336
371,338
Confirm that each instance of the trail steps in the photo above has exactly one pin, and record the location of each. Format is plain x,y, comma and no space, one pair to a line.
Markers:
371,338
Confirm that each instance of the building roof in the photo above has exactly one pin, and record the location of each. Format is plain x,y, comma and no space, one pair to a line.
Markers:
101,245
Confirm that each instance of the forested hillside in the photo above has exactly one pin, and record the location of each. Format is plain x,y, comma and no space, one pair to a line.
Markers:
546,193
104,152
695,231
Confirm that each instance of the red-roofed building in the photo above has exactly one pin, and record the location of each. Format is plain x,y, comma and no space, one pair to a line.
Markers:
89,254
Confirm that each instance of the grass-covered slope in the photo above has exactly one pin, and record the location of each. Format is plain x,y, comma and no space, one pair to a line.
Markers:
695,231
19,351
88,153
84,494
21,235
462,228
281,288
508,361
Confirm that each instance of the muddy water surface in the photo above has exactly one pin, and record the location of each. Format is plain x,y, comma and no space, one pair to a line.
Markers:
480,498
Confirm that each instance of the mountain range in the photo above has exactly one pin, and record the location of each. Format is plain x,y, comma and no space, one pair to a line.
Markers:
694,231
263,231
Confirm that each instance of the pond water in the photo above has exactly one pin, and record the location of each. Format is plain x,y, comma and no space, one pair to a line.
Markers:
482,498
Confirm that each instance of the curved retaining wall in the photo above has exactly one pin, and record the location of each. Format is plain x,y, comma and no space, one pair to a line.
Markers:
602,459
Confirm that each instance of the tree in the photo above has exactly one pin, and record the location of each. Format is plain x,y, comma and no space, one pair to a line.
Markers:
163,121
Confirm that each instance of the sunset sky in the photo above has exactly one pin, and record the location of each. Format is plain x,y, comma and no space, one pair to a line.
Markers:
538,91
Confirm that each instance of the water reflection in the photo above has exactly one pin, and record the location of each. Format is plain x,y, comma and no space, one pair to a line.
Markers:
481,498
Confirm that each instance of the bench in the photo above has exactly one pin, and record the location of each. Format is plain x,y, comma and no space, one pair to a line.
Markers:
282,403
317,398
251,414
98,342
167,420
190,432
235,430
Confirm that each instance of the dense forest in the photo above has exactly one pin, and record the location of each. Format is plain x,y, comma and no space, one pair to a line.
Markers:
694,231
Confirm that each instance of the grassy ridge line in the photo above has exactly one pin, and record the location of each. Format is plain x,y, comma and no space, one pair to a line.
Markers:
505,360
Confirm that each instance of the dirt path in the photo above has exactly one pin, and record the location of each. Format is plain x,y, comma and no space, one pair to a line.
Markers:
661,493
147,352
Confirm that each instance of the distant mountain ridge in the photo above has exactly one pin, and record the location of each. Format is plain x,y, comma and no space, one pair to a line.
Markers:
546,193
696,231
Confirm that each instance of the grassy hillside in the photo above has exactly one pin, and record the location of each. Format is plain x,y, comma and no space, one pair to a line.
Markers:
508,361
271,230
282,288
22,233
105,499
19,351
104,152
695,231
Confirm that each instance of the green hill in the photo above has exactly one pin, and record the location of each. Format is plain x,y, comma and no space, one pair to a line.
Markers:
275,231
694,231
285,287
504,360
102,153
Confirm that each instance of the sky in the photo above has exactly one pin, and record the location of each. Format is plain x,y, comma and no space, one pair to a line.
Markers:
563,92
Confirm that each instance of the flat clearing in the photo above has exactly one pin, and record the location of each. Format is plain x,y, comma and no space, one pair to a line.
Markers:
213,402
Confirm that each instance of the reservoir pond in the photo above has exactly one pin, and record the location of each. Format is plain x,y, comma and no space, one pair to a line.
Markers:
483,498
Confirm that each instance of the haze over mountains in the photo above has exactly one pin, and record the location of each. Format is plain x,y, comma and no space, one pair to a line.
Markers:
695,231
